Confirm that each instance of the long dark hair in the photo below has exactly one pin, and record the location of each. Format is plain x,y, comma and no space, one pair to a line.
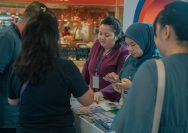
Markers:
40,47
32,9
116,26
174,14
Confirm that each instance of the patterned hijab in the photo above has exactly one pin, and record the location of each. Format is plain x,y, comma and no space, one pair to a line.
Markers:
143,35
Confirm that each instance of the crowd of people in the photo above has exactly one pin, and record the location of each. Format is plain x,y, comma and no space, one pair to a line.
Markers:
33,76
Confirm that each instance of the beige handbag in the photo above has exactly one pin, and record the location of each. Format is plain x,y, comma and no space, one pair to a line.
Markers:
160,96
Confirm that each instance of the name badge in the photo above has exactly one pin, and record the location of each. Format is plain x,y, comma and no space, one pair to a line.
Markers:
96,81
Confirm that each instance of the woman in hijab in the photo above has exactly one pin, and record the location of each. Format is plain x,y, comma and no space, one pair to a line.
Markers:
139,38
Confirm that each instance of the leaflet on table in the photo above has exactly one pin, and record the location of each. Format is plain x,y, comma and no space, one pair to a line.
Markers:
94,108
105,105
104,120
108,105
97,115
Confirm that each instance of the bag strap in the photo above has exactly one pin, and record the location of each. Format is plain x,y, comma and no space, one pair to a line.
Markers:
160,95
23,88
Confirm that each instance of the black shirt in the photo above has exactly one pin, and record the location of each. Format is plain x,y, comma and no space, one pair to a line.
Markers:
47,104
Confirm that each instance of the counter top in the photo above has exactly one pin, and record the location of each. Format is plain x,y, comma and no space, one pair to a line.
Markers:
96,118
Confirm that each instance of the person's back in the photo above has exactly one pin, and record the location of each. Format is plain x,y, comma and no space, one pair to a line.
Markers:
138,111
10,46
46,105
174,115
172,40
49,81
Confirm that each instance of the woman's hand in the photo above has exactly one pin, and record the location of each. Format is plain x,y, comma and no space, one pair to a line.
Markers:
112,76
116,88
98,96
125,84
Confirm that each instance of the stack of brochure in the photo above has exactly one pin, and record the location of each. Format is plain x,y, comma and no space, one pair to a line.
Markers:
104,120
97,115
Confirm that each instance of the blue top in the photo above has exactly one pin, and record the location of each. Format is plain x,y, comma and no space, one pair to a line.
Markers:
10,46
136,114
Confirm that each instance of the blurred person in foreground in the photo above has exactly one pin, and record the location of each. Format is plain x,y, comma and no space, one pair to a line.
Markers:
10,46
107,55
48,80
171,37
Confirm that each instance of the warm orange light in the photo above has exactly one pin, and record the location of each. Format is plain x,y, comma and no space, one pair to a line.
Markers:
77,2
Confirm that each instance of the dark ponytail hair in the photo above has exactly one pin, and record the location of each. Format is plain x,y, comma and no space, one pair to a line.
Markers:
40,47
175,14
116,26
32,9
